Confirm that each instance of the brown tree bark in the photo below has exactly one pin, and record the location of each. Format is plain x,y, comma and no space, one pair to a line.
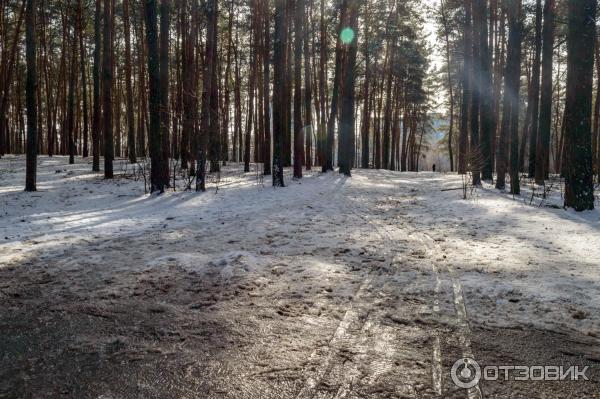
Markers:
131,148
308,130
545,118
280,43
107,87
447,53
266,83
157,182
208,115
535,90
581,40
31,87
96,99
328,164
71,98
347,115
463,139
165,20
475,151
298,122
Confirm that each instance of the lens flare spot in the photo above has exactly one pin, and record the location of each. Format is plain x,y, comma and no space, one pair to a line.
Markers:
347,35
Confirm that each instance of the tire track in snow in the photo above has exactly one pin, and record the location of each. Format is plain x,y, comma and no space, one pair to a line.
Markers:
461,313
436,369
462,319
351,316
460,309
384,365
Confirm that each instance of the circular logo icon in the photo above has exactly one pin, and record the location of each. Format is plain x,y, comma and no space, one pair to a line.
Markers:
466,373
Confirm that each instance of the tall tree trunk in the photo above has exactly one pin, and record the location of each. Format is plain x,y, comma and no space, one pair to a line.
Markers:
210,69
535,90
528,113
364,159
596,120
71,99
287,147
447,53
328,164
237,94
298,123
322,133
154,132
475,153
143,123
515,38
227,87
107,86
82,64
485,94
347,117
131,148
31,87
251,87
581,40
388,113
545,119
165,16
279,92
510,106
214,131
596,127
500,37
48,86
308,130
266,89
189,78
463,139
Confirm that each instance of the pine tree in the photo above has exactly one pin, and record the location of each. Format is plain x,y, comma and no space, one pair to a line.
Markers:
157,182
82,66
71,100
308,130
475,150
165,18
280,43
329,142
349,36
485,93
298,123
510,104
107,85
542,155
96,99
581,40
207,123
131,148
463,138
514,70
267,83
535,90
31,88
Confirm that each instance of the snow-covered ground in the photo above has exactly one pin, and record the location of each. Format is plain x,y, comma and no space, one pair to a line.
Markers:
370,286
